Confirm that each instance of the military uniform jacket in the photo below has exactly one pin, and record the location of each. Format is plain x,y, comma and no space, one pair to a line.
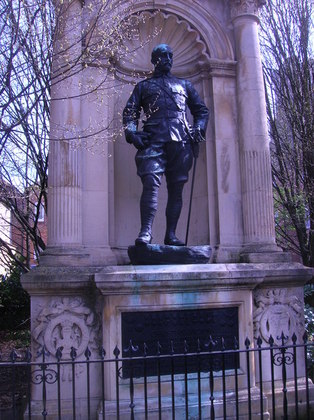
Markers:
164,100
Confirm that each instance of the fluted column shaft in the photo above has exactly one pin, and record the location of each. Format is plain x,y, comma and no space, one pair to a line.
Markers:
64,205
258,217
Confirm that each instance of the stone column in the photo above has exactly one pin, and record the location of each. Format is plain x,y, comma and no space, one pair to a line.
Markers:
97,151
257,198
64,194
228,220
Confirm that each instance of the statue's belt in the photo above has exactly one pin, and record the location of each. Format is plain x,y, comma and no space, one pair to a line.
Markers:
171,115
165,115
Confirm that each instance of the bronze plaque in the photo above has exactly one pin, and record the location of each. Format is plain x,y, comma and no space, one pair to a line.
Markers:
179,332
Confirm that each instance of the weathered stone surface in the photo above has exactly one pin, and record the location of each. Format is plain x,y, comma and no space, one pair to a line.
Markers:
165,254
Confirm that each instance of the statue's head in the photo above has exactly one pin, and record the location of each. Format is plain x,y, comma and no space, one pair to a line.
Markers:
162,58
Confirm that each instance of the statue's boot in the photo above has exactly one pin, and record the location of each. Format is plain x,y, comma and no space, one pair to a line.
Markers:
173,211
148,208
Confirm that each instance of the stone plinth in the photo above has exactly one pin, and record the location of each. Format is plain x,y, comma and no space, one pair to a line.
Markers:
83,307
256,290
65,313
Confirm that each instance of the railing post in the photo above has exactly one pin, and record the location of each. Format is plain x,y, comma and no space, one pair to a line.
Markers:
145,349
199,379
247,347
294,342
186,389
236,348
87,355
271,344
306,376
284,375
59,356
223,348
159,381
116,353
44,375
259,345
73,357
102,356
28,359
172,381
210,346
44,367
131,349
13,357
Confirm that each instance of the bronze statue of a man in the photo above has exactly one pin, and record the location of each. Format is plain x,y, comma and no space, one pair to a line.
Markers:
165,146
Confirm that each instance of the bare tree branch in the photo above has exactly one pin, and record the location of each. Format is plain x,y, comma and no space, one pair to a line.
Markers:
37,52
288,70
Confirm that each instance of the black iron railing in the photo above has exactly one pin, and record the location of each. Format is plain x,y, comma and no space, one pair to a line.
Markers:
206,383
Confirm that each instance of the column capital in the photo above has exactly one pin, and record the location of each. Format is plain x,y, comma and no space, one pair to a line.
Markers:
245,7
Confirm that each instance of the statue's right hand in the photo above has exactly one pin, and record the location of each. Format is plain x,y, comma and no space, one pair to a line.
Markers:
139,139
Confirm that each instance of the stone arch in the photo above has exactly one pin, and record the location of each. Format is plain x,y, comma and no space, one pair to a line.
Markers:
198,18
155,28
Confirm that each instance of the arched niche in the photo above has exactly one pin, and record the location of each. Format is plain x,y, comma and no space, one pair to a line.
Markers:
193,59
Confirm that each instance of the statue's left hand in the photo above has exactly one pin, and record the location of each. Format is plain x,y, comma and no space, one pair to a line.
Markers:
139,139
198,135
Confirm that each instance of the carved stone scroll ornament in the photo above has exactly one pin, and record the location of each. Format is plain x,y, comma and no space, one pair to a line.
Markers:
277,311
66,323
241,7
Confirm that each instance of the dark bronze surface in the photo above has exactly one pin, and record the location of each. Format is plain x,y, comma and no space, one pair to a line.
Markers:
189,330
166,144
147,254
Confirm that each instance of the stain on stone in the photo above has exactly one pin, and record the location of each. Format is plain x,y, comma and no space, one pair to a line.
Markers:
225,168
67,173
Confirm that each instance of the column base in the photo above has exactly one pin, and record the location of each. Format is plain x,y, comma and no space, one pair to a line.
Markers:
226,254
268,253
266,257
78,256
264,253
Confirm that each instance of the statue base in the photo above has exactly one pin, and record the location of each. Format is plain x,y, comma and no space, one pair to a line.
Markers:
154,254
93,307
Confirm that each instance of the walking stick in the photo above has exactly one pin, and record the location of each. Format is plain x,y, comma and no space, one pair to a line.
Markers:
195,152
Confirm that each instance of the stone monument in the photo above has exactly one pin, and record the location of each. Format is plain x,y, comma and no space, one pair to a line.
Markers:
85,284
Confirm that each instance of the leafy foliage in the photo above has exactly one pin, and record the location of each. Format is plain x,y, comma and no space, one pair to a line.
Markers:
14,302
309,324
309,310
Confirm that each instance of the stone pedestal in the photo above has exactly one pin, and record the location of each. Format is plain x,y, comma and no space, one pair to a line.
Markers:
82,308
65,313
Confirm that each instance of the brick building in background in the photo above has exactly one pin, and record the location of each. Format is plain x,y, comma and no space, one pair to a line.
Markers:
15,241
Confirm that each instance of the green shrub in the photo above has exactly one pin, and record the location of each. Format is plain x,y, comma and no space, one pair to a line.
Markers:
14,302
309,324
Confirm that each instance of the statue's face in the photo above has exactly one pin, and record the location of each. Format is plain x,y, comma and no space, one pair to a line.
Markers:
163,58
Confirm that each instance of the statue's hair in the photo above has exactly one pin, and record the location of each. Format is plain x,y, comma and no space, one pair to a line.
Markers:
156,50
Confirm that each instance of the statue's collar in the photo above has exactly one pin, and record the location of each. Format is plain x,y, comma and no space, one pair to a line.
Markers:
160,74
